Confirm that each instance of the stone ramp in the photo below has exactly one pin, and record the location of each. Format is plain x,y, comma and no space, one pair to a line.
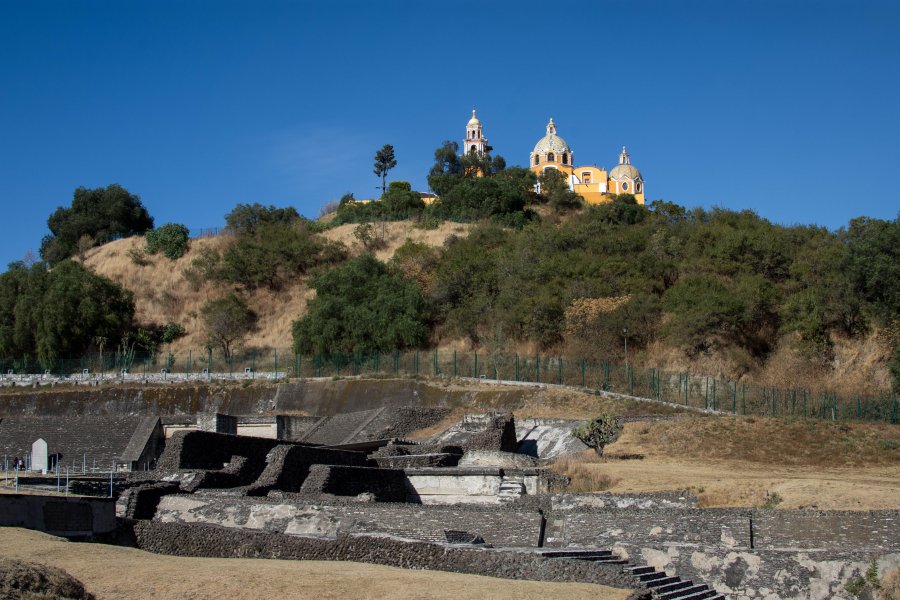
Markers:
548,438
98,439
339,429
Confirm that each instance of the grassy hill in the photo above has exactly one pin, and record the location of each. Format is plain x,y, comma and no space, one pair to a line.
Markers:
855,363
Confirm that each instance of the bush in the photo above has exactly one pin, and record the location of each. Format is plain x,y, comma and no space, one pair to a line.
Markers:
228,320
362,307
171,332
598,432
171,239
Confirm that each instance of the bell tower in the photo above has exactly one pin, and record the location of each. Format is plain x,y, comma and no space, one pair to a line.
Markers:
475,141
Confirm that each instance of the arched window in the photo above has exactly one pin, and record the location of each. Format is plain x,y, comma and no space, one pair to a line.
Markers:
637,188
550,157
565,158
537,159
624,185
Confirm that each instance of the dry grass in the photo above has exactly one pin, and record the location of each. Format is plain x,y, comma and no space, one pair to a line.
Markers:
396,233
728,461
788,442
116,573
583,473
890,585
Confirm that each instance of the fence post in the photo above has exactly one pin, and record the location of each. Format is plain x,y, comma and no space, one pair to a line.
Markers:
276,365
476,365
714,394
706,392
435,362
517,366
559,370
454,363
190,360
209,365
396,361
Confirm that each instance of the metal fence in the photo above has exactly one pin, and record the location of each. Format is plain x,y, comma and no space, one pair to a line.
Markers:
677,388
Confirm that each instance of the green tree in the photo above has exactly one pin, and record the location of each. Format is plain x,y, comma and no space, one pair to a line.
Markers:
555,190
362,307
384,162
447,170
101,214
400,201
598,432
227,320
77,307
275,252
171,239
246,218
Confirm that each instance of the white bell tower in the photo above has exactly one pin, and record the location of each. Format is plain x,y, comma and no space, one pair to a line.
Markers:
475,140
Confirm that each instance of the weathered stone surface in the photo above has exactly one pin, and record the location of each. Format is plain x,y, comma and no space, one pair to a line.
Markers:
205,540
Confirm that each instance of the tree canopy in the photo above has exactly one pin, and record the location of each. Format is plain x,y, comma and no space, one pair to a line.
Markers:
361,306
95,217
51,314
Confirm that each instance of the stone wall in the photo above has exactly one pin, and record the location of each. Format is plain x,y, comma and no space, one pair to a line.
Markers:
386,485
299,516
210,541
745,574
59,515
287,466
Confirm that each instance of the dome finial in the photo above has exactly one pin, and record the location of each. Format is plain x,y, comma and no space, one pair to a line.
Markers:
551,127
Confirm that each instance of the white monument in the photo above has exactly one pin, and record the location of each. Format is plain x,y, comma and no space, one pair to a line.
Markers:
39,455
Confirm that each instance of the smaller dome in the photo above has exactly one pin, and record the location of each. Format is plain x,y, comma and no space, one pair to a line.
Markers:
625,171
474,120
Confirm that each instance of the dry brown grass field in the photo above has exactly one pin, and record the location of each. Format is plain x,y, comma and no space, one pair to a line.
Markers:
746,461
117,573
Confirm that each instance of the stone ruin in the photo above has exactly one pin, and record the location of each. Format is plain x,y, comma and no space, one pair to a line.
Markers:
477,498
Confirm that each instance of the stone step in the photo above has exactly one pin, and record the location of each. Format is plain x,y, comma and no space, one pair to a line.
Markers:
658,583
679,585
700,596
645,577
685,593
576,553
639,570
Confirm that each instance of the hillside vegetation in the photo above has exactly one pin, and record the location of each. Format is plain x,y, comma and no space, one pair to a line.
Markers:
716,291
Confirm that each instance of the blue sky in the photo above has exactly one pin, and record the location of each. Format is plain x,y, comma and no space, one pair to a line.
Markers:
789,108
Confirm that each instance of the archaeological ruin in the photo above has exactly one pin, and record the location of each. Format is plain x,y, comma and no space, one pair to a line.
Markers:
330,470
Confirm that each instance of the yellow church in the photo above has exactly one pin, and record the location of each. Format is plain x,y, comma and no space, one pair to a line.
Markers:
592,183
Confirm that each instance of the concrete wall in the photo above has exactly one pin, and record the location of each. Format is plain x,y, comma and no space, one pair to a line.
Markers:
59,515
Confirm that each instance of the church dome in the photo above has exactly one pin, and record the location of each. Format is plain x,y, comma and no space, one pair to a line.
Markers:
474,120
625,172
551,143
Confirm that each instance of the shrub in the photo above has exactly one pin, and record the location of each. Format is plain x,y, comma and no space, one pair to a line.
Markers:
171,332
598,432
171,239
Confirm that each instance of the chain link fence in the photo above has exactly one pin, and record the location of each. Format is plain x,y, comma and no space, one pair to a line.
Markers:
677,388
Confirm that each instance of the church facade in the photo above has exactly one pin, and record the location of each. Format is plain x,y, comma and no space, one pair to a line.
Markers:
592,183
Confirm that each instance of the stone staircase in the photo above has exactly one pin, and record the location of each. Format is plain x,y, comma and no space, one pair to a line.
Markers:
672,587
511,489
662,586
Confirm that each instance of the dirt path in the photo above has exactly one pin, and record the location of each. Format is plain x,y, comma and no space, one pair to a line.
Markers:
116,573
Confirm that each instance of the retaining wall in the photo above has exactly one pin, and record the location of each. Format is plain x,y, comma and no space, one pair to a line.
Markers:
59,515
507,527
